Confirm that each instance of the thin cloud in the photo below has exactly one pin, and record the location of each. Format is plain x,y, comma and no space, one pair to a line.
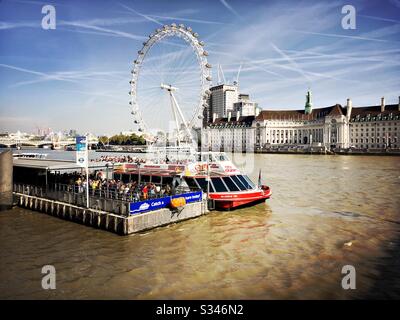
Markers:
15,25
141,14
68,76
187,19
106,30
343,36
229,7
379,18
291,62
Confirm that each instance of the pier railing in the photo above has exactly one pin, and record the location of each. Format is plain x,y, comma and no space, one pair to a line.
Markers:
110,199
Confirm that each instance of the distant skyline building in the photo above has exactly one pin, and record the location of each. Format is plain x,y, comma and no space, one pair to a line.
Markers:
222,98
245,106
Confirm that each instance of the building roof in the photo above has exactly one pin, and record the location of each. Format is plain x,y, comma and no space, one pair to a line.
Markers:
54,165
221,86
244,120
374,111
335,110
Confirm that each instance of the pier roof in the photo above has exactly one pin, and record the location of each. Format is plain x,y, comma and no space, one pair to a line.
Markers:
54,165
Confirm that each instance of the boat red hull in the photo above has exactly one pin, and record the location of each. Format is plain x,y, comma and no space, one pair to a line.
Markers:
226,201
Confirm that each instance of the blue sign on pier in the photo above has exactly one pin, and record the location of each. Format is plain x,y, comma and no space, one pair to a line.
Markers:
155,204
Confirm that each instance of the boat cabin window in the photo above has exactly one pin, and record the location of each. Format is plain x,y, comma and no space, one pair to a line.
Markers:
191,183
222,157
249,181
239,183
249,185
219,185
230,184
210,158
203,184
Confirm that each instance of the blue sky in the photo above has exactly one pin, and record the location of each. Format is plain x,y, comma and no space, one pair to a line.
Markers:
77,75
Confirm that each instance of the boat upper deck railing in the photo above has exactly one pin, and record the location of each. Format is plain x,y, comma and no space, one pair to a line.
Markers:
186,155
31,155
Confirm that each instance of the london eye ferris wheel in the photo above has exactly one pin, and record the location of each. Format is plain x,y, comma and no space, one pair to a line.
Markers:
170,84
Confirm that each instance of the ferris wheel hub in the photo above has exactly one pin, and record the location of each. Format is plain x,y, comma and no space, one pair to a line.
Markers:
168,87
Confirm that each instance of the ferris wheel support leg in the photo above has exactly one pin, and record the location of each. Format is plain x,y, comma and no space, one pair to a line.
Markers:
182,117
175,116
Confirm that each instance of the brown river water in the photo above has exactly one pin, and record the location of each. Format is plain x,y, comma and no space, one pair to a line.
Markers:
291,247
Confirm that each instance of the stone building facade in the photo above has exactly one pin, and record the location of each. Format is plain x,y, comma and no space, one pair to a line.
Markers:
333,127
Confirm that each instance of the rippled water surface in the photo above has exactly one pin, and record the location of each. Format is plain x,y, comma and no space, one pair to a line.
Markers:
292,247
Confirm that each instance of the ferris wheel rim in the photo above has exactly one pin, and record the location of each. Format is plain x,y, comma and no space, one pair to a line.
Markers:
192,39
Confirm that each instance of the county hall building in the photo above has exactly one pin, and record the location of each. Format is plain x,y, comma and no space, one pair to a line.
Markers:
333,127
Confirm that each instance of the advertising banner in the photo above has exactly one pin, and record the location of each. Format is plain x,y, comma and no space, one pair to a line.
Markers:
149,205
156,204
81,153
191,196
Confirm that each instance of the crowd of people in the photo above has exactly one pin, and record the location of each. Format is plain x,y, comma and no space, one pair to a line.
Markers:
99,185
129,191
119,159
137,160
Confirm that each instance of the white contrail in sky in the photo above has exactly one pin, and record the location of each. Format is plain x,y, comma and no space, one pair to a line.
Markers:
295,66
343,36
379,18
141,14
187,19
229,7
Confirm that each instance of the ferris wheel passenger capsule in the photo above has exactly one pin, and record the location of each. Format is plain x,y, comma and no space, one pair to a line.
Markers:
173,25
195,34
205,53
182,25
158,30
209,78
208,65
201,43
135,122
189,29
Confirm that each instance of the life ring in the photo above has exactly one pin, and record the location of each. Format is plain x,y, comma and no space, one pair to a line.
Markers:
178,202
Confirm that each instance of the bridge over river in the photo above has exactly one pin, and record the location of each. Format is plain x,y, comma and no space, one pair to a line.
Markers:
14,142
